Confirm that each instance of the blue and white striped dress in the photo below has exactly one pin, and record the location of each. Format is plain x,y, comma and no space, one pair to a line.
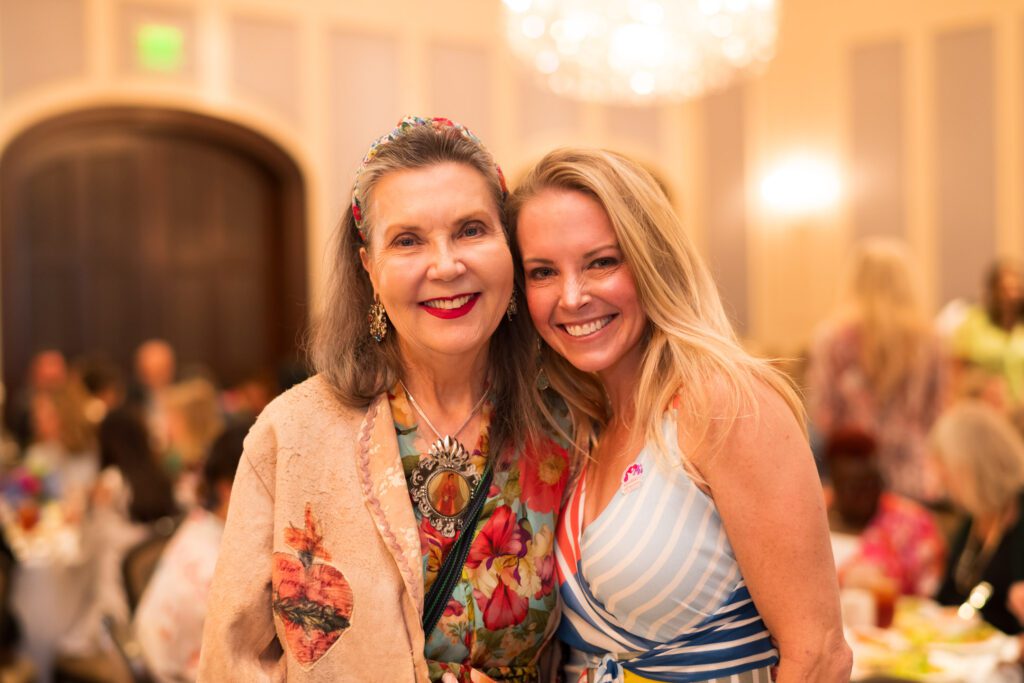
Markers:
651,588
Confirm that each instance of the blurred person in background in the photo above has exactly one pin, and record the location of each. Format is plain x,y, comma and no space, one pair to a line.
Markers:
14,667
981,460
889,538
244,401
131,495
104,383
877,366
47,371
194,419
155,367
63,444
990,339
169,620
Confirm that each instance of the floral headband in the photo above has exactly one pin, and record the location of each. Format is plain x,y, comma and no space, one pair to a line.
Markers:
404,126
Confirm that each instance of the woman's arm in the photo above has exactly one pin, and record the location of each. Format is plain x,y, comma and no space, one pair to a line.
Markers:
239,642
764,483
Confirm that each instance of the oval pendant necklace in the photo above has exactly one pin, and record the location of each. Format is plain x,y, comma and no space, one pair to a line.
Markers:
443,481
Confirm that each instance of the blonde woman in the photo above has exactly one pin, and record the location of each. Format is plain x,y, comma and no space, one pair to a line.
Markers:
393,517
194,420
981,460
694,545
877,366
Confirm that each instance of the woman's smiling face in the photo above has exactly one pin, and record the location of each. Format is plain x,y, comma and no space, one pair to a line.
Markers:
580,290
438,258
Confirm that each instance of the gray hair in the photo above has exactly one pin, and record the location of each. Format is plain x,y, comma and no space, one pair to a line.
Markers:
358,368
984,452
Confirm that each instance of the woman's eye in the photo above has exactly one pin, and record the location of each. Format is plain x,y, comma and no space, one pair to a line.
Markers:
541,273
404,241
473,230
605,262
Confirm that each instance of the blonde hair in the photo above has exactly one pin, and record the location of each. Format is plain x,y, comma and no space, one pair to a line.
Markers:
689,346
69,401
195,402
356,367
985,454
881,296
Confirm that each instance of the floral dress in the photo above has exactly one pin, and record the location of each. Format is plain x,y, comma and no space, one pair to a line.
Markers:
500,613
839,396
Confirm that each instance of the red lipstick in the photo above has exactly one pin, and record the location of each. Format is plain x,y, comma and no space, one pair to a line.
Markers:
449,313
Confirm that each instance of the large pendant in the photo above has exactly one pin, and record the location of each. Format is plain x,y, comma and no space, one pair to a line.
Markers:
442,485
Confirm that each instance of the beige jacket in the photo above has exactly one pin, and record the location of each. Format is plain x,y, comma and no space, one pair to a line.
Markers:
319,576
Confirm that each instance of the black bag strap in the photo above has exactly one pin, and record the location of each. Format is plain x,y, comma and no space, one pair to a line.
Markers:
451,570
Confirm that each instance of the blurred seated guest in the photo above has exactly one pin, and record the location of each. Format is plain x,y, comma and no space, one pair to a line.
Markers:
104,384
47,371
169,620
981,460
244,401
194,419
877,366
132,493
991,337
10,632
894,536
63,444
156,367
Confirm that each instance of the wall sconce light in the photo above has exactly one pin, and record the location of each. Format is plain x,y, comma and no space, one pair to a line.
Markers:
801,186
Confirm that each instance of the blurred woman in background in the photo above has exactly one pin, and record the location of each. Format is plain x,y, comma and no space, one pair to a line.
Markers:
168,622
885,538
981,461
131,494
64,444
877,366
193,419
990,339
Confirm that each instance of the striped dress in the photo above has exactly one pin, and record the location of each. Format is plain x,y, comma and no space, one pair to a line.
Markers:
651,588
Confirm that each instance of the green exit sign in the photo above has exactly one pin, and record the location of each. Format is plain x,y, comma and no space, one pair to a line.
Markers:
160,47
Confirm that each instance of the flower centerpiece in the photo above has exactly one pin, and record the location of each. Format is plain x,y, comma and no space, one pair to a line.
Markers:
27,488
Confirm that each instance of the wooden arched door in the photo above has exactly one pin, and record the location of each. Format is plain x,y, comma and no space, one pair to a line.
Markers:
118,225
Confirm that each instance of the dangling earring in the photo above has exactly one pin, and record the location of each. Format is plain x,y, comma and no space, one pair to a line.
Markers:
513,307
542,383
378,318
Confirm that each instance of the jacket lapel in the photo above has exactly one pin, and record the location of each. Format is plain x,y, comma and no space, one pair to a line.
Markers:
386,495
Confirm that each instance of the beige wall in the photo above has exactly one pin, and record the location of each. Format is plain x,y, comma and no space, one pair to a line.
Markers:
322,78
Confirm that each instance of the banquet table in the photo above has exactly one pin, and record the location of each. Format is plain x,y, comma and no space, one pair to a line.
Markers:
928,643
50,585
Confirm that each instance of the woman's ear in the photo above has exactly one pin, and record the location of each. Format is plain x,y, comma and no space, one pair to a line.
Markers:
364,258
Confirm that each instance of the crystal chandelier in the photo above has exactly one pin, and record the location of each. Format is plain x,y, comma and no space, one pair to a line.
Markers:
640,51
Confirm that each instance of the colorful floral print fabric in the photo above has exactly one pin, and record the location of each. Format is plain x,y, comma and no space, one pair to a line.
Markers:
311,597
499,614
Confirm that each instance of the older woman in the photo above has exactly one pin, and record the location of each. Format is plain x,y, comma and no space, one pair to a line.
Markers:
392,518
981,459
695,538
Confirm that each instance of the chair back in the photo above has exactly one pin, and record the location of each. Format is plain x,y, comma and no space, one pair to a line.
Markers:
141,560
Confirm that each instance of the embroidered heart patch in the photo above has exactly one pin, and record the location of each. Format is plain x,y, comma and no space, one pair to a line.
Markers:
312,598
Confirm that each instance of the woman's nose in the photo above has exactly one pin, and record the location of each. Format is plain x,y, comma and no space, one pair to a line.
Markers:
574,293
446,264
